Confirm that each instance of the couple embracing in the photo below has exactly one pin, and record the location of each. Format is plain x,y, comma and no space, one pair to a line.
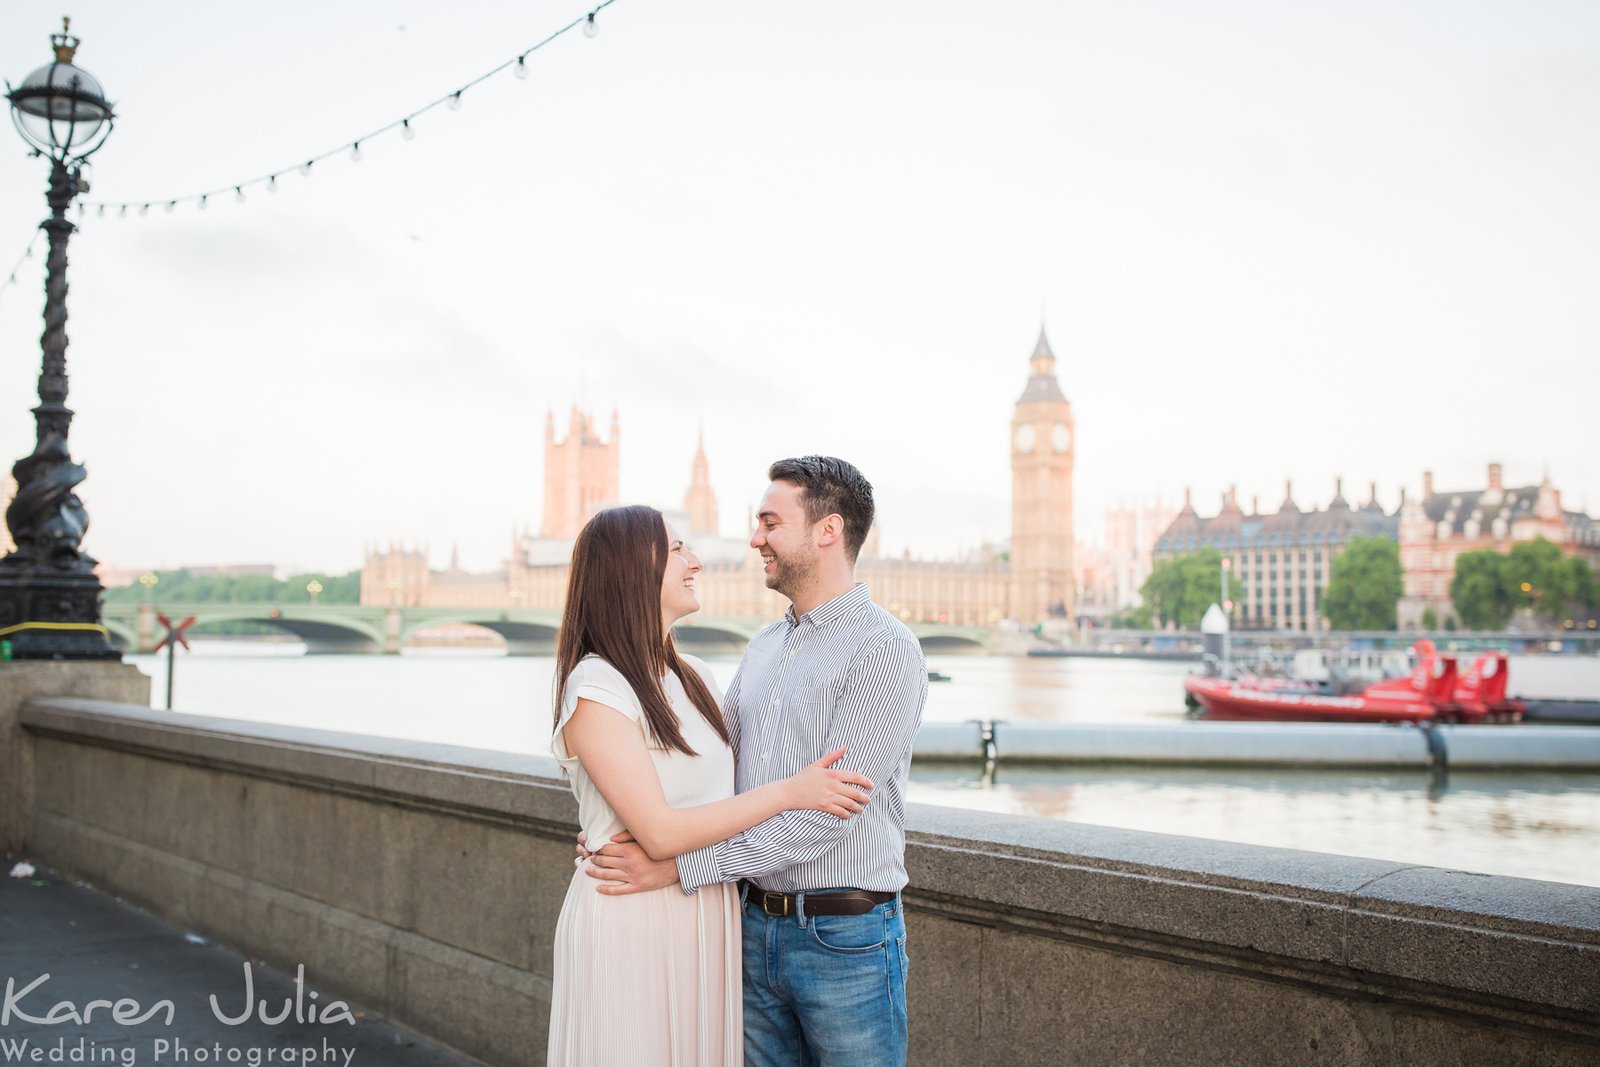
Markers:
741,903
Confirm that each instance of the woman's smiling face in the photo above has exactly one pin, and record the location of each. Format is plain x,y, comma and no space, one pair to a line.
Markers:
678,595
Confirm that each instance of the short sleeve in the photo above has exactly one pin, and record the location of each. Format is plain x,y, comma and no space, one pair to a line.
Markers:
594,679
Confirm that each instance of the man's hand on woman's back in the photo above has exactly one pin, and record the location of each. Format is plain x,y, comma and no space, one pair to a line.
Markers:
623,867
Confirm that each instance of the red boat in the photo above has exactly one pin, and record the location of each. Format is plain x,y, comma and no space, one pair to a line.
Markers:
1481,694
1432,692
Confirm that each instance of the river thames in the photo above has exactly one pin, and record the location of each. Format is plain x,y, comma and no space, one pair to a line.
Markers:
1531,825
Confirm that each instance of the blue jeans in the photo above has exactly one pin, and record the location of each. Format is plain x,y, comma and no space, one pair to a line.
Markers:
825,990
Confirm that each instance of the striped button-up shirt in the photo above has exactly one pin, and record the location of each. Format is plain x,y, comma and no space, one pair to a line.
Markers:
846,673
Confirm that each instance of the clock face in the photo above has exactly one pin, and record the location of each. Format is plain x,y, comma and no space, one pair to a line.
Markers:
1025,438
1060,437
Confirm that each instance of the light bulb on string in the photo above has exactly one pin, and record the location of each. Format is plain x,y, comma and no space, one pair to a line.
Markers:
591,28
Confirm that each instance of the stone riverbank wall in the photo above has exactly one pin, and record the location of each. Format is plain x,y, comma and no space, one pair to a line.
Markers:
424,881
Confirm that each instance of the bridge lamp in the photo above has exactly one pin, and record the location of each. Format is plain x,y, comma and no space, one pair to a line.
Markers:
314,587
149,579
49,594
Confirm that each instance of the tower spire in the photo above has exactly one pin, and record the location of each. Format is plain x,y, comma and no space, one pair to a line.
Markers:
700,501
1042,353
1042,385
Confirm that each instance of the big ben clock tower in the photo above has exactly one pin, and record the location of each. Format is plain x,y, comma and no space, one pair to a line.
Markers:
1042,449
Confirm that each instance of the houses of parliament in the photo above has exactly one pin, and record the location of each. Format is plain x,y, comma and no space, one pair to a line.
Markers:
1030,583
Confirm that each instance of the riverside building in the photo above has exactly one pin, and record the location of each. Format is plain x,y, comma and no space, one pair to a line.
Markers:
1439,526
1282,558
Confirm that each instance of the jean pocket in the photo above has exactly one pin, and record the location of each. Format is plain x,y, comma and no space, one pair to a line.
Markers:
849,933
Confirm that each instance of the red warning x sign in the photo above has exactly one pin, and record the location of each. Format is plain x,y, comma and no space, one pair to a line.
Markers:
174,633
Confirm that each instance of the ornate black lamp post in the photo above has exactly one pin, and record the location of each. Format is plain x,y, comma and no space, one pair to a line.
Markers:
49,594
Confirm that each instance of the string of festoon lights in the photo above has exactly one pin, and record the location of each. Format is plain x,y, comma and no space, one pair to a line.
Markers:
517,64
27,253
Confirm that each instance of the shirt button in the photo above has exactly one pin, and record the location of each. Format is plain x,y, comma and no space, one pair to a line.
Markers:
776,701
766,755
791,655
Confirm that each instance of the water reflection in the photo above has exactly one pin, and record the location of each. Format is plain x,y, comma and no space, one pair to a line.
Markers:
1531,825
1025,689
1540,826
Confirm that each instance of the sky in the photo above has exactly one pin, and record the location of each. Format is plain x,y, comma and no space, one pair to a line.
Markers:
1269,241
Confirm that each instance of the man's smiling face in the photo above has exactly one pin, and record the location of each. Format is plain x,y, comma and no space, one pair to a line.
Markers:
784,537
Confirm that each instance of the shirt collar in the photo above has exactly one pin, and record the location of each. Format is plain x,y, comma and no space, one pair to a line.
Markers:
844,604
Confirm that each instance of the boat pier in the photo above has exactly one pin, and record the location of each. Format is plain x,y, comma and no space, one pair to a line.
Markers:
1245,744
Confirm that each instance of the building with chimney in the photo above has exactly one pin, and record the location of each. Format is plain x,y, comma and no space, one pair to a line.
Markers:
396,577
1437,527
1283,558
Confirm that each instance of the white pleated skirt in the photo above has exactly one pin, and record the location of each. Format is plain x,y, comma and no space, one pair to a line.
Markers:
647,979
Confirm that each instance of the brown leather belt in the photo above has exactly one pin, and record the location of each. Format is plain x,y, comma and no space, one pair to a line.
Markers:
848,902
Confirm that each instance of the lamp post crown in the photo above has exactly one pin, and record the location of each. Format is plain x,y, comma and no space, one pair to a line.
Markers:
64,43
60,109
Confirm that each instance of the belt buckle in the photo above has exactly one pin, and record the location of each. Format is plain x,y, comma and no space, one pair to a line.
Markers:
766,903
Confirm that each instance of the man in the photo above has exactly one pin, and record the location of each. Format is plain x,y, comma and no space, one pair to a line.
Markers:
824,932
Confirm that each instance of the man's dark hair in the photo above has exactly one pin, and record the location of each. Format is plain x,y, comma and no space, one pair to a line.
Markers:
830,487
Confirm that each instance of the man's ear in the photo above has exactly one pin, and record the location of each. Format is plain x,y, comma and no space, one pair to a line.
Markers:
830,530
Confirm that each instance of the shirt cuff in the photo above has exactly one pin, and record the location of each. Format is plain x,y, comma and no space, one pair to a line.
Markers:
698,868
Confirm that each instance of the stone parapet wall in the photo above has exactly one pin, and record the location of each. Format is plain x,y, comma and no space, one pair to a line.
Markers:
25,680
423,881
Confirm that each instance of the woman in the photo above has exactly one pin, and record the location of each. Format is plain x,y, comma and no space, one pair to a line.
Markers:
652,977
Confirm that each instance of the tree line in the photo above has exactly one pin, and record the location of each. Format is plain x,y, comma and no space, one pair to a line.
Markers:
1364,588
181,587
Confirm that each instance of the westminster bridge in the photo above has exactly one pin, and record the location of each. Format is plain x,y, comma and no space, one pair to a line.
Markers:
360,629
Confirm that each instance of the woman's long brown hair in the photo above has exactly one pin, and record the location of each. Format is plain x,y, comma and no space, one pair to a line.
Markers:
614,611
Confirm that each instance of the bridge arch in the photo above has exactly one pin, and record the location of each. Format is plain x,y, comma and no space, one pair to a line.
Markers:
326,634
953,642
122,635
522,637
702,640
